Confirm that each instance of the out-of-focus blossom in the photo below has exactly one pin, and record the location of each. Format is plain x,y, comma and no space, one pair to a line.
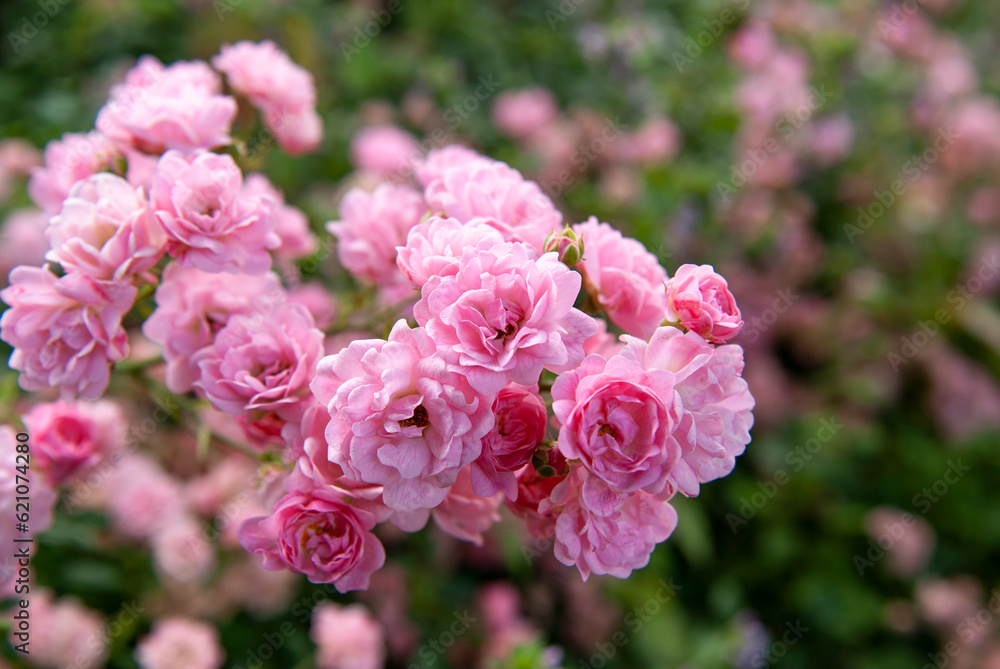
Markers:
907,539
68,437
290,224
180,643
64,633
70,159
347,637
385,150
522,114
143,498
17,158
182,551
22,240
318,300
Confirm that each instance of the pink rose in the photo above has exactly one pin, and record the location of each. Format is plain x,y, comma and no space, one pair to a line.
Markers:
525,113
318,300
434,247
625,279
532,488
615,543
65,633
464,514
347,637
291,225
70,159
65,331
504,316
438,161
253,369
212,224
192,306
400,418
521,419
180,643
24,243
67,438
618,420
490,189
143,499
699,299
372,225
182,551
106,230
176,107
298,131
385,150
317,532
717,405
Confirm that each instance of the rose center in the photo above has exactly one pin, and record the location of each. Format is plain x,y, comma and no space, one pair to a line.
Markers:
607,429
418,419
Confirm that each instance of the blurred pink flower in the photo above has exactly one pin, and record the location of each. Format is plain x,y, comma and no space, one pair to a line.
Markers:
347,637
180,643
521,114
70,159
385,150
65,633
143,499
182,552
17,158
69,437
699,299
318,300
22,235
42,497
297,132
291,225
908,539
439,161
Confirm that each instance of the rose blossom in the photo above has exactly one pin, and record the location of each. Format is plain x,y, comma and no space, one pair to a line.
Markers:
521,418
212,223
699,299
68,160
192,306
715,424
400,417
106,230
291,225
318,300
625,279
614,543
254,368
464,513
522,114
180,643
67,437
65,331
384,150
65,633
434,247
315,531
503,316
491,189
438,161
17,159
24,243
347,637
142,499
182,551
298,131
175,107
618,420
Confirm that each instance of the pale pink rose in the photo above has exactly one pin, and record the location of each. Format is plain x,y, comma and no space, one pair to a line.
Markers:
521,419
64,633
614,543
180,643
140,168
485,188
298,131
291,225
316,531
434,247
17,158
385,150
65,331
699,299
618,420
192,306
464,514
907,539
504,316
22,240
625,279
318,300
525,113
603,343
69,437
253,369
347,637
400,418
717,405
438,161
106,230
143,498
70,159
182,552
211,222
159,108
370,228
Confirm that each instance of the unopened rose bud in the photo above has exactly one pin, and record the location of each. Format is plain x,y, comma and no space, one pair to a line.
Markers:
567,244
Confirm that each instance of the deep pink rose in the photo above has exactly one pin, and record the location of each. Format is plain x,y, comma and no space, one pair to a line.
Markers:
618,420
717,405
69,437
65,331
176,107
106,230
615,543
212,223
699,299
521,418
317,532
192,306
434,247
400,418
370,228
504,316
625,279
71,158
256,368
